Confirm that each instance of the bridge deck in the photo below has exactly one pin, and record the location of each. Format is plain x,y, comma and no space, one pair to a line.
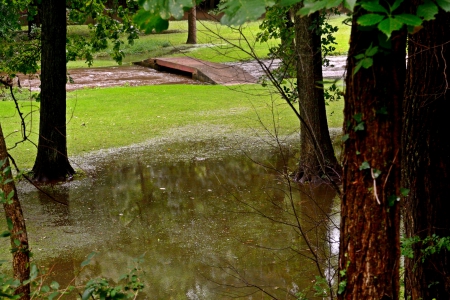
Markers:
214,73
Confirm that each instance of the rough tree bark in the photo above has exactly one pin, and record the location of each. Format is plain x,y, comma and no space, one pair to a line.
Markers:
52,162
426,156
369,257
192,26
316,150
13,212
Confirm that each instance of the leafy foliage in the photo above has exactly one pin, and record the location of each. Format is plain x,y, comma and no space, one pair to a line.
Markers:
430,245
239,12
106,28
154,15
21,53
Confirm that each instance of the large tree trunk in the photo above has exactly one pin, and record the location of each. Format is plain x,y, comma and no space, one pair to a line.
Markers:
13,213
52,162
369,258
316,150
426,156
192,26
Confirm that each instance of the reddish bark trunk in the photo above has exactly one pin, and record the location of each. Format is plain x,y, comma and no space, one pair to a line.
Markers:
369,258
19,238
426,158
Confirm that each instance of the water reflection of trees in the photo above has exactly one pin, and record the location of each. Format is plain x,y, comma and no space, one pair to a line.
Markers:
193,220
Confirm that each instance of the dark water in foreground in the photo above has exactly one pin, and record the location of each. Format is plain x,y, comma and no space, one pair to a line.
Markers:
196,223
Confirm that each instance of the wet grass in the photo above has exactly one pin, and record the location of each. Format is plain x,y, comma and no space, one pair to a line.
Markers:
216,43
121,116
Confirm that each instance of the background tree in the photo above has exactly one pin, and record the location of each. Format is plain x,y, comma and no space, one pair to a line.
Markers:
52,161
317,159
426,159
34,16
192,25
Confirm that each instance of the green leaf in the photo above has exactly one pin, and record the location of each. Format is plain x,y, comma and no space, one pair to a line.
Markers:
358,117
349,4
444,4
370,19
54,285
289,2
333,3
5,233
382,111
10,224
367,62
374,6
357,67
404,192
45,289
88,259
389,25
359,127
53,295
371,51
376,173
148,21
364,166
87,293
359,56
10,195
391,200
345,137
341,287
34,272
396,5
409,19
427,10
238,12
311,6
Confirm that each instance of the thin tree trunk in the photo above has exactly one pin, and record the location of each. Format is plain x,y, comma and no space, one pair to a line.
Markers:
14,215
426,157
52,162
35,20
192,26
369,257
316,150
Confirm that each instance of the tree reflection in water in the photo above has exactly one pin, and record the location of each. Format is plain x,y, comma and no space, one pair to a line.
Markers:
210,228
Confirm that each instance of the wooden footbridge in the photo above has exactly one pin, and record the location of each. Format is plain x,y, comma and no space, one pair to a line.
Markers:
204,71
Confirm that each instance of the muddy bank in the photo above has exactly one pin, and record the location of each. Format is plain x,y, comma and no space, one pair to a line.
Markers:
133,75
111,76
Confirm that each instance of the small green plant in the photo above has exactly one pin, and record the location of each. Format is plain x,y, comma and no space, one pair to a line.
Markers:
430,245
94,289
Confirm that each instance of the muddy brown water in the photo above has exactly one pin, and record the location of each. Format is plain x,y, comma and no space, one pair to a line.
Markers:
112,76
192,221
133,75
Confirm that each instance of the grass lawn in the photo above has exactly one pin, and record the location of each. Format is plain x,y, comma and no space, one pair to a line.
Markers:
216,43
120,116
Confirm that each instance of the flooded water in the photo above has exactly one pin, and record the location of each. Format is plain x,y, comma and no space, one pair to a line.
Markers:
206,228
